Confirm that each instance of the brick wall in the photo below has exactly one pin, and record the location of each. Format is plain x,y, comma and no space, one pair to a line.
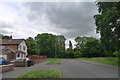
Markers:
11,56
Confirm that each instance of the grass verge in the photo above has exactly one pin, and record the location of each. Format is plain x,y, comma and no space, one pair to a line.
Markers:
104,60
53,61
53,73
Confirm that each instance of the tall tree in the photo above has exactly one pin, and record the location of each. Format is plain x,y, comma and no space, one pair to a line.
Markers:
32,46
87,47
91,48
108,25
51,45
70,45
80,41
46,42
60,45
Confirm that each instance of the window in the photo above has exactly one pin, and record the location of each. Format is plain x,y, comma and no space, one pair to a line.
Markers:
18,55
24,47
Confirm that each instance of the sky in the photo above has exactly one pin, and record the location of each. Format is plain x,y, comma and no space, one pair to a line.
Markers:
27,19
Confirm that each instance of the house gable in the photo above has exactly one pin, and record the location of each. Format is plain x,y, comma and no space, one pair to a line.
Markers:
22,46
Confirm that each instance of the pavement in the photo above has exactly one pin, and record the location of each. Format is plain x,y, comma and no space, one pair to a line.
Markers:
71,69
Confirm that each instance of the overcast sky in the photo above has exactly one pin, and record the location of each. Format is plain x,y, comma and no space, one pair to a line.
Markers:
27,19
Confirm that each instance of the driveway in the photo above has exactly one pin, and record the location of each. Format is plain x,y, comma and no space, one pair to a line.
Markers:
71,69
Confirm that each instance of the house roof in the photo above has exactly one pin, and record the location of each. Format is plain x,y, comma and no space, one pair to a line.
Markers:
11,41
7,50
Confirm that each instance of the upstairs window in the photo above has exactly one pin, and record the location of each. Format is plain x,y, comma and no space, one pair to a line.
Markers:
18,55
23,47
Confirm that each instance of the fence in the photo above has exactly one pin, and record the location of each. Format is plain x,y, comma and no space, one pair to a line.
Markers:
37,59
5,68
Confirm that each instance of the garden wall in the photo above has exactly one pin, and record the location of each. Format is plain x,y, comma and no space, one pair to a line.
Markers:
37,59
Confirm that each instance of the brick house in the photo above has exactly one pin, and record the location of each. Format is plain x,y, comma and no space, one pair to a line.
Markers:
12,49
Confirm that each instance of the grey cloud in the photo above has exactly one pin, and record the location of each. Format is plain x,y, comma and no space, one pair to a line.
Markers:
5,24
2,31
75,18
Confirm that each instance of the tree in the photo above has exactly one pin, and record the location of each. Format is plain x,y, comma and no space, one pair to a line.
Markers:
46,43
87,47
70,45
32,46
4,36
60,45
108,25
69,53
91,48
51,45
80,42
78,53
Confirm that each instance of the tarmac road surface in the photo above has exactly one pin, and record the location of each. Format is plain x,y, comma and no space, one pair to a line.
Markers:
71,68
86,69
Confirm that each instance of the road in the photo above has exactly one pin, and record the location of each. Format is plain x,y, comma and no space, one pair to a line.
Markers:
86,69
72,69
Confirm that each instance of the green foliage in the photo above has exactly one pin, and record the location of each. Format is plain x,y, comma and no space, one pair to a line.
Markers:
117,53
4,36
91,48
108,25
51,45
32,46
69,53
46,74
80,41
78,54
60,45
87,47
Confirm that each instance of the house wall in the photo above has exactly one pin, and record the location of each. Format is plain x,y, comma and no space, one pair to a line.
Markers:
21,56
4,56
22,46
11,56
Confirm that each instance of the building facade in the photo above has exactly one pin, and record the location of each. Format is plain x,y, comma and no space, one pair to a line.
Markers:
12,49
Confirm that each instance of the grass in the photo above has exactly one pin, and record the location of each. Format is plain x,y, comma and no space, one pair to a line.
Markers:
104,60
53,61
47,74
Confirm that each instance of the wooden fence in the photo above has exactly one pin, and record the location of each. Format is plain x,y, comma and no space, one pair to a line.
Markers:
37,59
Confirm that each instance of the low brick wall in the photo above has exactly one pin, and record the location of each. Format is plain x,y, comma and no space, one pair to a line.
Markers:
37,59
5,68
19,63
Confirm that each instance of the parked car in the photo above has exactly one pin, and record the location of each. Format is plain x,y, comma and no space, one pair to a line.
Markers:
2,61
29,62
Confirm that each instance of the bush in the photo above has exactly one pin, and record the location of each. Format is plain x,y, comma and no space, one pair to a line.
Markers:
77,54
117,53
